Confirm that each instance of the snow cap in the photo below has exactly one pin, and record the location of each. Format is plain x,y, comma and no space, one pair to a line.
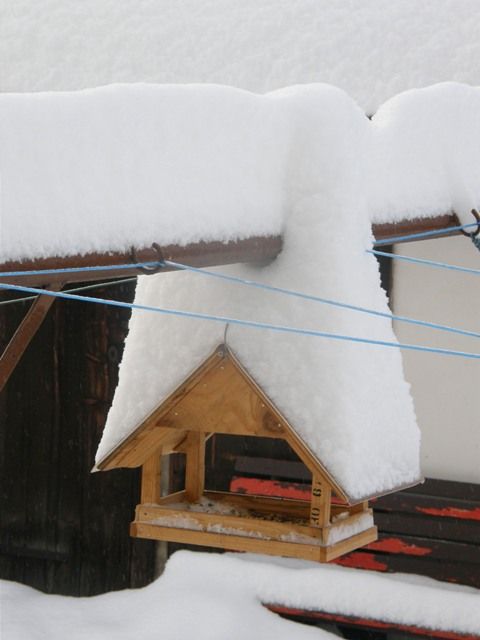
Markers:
349,403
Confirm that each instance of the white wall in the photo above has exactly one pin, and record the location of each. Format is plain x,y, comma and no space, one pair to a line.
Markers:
445,389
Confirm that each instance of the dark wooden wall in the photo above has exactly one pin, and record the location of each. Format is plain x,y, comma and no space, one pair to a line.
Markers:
63,529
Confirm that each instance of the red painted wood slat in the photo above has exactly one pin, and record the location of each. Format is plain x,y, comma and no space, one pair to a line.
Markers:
369,623
438,546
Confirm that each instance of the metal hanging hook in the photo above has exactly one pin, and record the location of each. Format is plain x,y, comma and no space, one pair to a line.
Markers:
149,271
225,335
473,234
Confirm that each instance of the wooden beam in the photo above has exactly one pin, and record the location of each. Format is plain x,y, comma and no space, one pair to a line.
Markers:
361,507
417,225
142,445
232,542
275,528
24,334
151,479
198,254
320,502
237,542
195,466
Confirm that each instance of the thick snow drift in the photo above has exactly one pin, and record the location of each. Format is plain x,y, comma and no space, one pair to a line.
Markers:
107,168
213,597
119,166
103,169
424,153
349,403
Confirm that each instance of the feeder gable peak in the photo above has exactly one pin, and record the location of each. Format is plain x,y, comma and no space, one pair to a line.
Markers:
220,396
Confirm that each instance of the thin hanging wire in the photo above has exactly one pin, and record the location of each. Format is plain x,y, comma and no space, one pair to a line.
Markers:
425,234
335,303
87,287
423,261
251,283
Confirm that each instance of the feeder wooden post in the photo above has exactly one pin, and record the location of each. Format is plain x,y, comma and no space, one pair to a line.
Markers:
151,479
195,465
320,503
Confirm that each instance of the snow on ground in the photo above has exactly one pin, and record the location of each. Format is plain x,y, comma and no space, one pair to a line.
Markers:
373,49
213,597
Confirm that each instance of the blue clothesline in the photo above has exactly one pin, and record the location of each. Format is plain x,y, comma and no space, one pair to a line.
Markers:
258,285
96,285
156,263
237,321
108,267
327,301
423,261
271,288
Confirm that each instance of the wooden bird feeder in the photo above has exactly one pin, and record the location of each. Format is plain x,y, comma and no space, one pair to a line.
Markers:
221,397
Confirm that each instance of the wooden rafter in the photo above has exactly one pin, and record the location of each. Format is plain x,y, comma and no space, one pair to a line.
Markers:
418,225
199,254
24,334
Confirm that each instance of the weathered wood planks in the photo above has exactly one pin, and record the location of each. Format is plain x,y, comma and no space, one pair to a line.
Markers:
63,529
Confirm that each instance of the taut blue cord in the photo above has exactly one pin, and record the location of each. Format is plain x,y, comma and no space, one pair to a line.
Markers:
251,283
97,285
237,321
429,263
108,267
305,296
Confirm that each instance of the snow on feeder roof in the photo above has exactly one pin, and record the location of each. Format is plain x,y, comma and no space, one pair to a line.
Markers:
221,397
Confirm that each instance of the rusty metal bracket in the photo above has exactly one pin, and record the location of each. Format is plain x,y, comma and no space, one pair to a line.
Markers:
148,271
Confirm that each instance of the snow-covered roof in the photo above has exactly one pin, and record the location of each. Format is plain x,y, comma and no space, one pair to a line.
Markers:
95,180
105,168
108,168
